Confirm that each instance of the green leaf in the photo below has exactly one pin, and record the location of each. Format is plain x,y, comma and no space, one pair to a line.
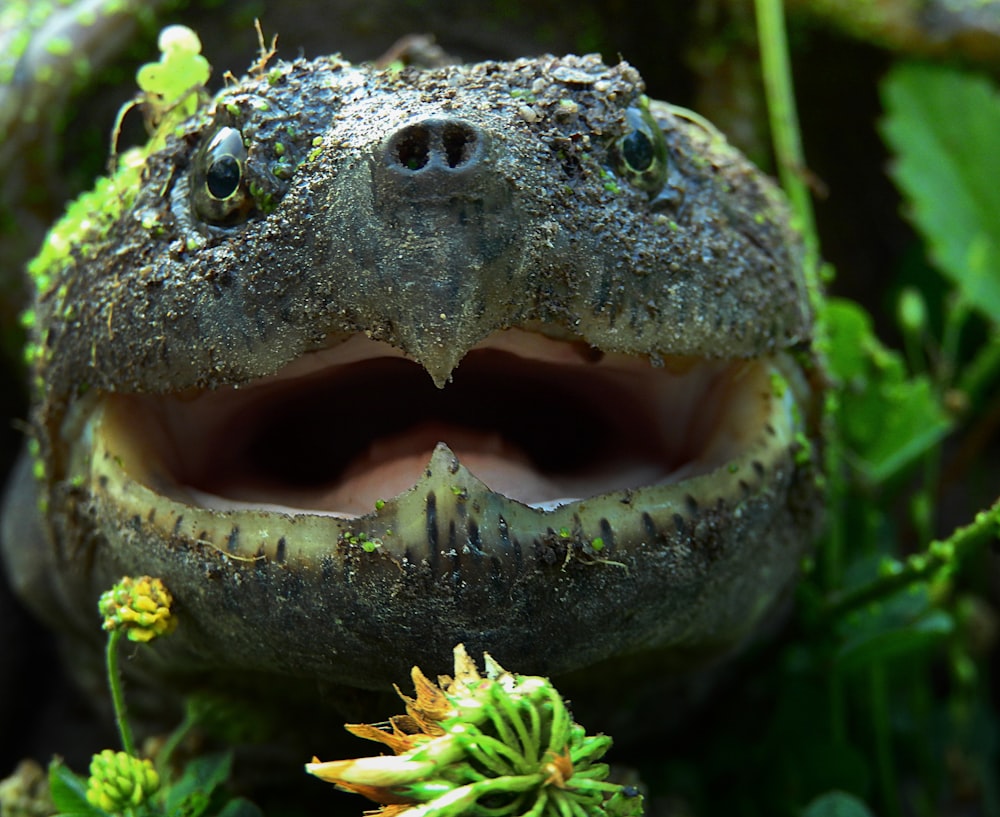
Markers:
192,794
904,623
836,804
240,807
942,124
886,419
181,68
69,792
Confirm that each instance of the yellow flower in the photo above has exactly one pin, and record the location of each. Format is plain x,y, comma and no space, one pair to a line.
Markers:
140,607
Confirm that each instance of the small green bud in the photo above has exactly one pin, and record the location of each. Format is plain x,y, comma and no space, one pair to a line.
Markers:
178,38
912,311
119,781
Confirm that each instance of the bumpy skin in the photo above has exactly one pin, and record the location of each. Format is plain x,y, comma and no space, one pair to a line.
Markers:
606,265
522,215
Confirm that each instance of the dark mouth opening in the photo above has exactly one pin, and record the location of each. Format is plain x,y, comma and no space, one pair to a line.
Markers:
541,422
309,435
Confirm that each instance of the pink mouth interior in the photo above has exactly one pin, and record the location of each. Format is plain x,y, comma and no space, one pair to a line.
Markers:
541,421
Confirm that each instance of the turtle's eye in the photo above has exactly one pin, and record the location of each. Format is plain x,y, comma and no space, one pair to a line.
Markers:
640,154
219,188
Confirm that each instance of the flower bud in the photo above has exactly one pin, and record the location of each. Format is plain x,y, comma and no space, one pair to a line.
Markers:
119,781
141,607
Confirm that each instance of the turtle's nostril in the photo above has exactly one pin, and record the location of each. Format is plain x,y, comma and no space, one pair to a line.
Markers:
411,147
459,142
433,144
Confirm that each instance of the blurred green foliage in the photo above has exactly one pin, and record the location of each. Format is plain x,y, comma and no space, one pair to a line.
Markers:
943,127
882,700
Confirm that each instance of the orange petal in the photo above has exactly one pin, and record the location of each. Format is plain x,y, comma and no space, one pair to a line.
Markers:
396,740
392,810
377,794
431,705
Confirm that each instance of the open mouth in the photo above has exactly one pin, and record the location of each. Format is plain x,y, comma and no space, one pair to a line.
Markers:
359,515
539,421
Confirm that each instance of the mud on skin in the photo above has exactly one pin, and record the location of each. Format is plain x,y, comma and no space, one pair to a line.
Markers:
377,362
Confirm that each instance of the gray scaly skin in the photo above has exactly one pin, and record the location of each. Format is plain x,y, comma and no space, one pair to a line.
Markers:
530,251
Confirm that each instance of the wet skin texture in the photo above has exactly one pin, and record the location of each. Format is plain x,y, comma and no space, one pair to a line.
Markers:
379,362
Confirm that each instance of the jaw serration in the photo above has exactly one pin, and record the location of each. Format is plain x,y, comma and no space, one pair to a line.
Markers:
447,495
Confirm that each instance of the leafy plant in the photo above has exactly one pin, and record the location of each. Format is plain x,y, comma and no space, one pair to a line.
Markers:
122,783
881,694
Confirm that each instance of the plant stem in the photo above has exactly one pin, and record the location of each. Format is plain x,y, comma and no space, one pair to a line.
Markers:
883,739
117,695
785,130
836,709
938,556
982,371
171,743
956,313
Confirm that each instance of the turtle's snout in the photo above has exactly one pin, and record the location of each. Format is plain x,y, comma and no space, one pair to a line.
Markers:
427,236
438,162
438,148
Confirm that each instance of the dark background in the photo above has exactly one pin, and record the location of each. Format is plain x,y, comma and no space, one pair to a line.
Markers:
697,54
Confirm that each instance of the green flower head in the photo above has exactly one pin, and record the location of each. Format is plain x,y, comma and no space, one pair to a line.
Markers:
119,781
499,746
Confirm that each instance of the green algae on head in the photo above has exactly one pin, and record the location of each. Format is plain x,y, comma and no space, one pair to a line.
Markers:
173,86
170,91
85,223
372,362
51,51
